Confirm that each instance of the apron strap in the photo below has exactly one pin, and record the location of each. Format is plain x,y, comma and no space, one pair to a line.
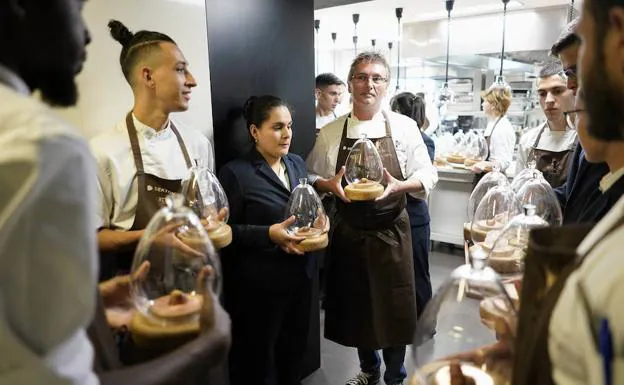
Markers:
134,144
536,142
136,149
187,158
487,138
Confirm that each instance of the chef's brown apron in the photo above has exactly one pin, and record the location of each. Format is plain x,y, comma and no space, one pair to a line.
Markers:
477,178
370,301
152,192
551,250
553,164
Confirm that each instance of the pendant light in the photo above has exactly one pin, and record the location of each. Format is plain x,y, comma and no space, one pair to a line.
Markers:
390,56
334,35
317,25
373,42
445,95
356,19
571,11
500,82
399,13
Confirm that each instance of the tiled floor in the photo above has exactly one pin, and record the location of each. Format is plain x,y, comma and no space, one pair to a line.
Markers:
340,363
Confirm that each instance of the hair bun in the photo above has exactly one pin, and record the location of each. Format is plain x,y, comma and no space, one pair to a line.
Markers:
120,32
248,107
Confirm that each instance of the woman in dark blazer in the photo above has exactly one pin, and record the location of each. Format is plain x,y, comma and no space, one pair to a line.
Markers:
413,106
267,281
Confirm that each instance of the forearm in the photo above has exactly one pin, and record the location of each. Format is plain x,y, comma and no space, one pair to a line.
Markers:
413,185
189,361
322,185
111,240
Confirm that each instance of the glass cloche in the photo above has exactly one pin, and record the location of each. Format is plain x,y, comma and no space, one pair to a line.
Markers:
492,179
205,196
495,210
458,335
168,297
311,222
522,176
444,144
537,191
364,171
506,253
476,149
457,153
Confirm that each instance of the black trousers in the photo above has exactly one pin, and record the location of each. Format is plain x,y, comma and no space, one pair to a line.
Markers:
269,332
421,239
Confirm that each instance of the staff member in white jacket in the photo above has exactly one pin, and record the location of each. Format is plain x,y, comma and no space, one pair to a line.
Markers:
47,252
370,302
146,155
499,133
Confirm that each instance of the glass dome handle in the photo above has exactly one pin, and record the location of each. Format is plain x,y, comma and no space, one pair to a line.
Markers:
303,181
363,136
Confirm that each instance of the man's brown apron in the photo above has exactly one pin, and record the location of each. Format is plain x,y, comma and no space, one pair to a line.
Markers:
152,192
553,164
113,350
477,178
370,301
551,252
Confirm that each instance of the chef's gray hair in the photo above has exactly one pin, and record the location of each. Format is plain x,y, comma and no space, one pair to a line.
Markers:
567,38
369,57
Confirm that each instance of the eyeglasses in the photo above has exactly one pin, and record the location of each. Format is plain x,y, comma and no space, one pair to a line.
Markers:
571,116
570,72
363,78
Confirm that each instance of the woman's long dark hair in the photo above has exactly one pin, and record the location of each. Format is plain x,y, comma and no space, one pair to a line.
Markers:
408,104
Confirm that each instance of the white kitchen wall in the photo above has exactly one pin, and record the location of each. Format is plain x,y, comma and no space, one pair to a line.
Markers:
105,97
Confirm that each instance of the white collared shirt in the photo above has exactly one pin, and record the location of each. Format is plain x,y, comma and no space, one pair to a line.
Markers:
48,249
162,156
502,141
609,180
322,121
553,141
572,351
410,148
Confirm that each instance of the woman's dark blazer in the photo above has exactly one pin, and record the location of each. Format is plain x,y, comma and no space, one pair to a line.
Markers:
257,200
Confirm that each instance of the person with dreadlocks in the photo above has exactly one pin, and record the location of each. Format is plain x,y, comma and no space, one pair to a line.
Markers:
145,156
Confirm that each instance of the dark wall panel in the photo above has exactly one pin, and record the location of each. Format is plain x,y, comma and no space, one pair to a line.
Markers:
260,47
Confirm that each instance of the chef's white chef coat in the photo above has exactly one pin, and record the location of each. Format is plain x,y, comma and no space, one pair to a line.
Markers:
553,141
502,141
410,148
572,351
48,248
162,156
322,121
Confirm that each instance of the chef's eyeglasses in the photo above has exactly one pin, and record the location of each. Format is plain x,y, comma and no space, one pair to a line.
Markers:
571,116
363,78
570,72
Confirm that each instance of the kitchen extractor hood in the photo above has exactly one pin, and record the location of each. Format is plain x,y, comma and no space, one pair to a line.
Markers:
476,39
